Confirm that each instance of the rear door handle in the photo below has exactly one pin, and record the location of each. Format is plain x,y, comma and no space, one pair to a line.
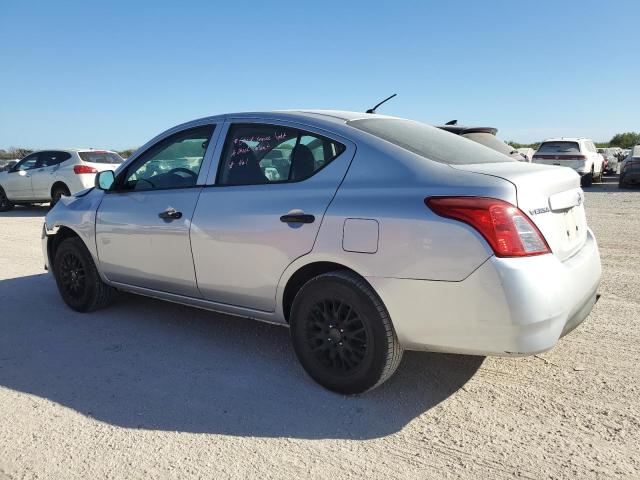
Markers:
297,218
170,214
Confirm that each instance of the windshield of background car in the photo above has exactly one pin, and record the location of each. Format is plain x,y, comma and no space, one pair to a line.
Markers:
491,141
558,148
428,142
101,157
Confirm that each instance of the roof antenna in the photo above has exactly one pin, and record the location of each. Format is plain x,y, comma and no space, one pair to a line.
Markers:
373,110
452,122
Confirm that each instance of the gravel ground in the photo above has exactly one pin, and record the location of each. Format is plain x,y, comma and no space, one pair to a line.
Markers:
148,389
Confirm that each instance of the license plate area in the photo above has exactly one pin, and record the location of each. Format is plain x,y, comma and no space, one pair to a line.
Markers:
571,226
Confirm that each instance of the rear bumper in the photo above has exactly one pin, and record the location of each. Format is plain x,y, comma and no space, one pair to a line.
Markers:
508,306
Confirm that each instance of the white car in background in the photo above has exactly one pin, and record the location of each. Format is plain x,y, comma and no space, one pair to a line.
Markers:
580,154
526,153
46,175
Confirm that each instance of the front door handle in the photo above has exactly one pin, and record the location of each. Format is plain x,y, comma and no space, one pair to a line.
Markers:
170,214
297,218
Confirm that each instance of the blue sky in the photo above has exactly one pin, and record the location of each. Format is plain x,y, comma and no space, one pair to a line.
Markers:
113,74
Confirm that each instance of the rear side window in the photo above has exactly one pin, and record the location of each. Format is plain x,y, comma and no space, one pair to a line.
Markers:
98,156
49,159
256,154
429,142
558,148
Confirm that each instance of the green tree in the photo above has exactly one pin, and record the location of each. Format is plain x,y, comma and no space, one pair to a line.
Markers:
625,140
126,153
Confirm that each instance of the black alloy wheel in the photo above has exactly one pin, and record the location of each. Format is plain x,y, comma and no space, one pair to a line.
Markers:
336,335
73,276
342,333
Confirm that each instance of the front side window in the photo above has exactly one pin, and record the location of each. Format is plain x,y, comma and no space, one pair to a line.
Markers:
256,154
171,163
27,163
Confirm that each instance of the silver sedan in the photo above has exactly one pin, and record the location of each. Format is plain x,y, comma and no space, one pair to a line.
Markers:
365,234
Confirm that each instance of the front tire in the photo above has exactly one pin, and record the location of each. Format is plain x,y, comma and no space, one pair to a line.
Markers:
342,333
77,278
5,203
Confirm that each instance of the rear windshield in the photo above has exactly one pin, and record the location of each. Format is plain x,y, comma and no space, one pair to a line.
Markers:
428,142
101,157
494,143
558,148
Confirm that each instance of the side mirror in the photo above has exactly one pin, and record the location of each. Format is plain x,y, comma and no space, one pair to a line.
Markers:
105,180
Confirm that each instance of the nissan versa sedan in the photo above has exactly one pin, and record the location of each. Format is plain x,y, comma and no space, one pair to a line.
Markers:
365,234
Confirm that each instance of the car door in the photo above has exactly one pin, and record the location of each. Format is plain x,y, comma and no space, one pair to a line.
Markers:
273,185
18,180
142,223
43,174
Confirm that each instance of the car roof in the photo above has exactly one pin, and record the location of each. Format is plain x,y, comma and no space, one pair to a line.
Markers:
69,150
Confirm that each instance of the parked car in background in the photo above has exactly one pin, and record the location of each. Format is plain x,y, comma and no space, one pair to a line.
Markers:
7,164
527,153
484,136
365,234
611,159
630,168
47,175
580,154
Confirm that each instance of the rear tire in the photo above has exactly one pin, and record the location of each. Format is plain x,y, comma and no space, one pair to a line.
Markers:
58,192
342,333
587,180
77,278
5,203
622,183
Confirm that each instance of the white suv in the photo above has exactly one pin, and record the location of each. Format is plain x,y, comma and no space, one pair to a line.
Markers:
579,154
47,175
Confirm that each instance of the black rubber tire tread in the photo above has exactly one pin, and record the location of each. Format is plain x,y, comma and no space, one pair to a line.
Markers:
394,349
7,204
101,294
621,183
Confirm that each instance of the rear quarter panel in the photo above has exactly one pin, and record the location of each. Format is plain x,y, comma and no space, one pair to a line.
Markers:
389,185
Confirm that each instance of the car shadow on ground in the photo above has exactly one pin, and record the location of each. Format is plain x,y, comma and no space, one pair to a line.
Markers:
24,211
610,184
148,364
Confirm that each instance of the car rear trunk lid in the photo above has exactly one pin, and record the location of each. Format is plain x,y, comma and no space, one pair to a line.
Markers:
550,196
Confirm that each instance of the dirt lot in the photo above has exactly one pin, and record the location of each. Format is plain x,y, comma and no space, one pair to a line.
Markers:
147,389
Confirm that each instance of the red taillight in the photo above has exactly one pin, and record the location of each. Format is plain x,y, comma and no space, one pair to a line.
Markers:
505,227
84,169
